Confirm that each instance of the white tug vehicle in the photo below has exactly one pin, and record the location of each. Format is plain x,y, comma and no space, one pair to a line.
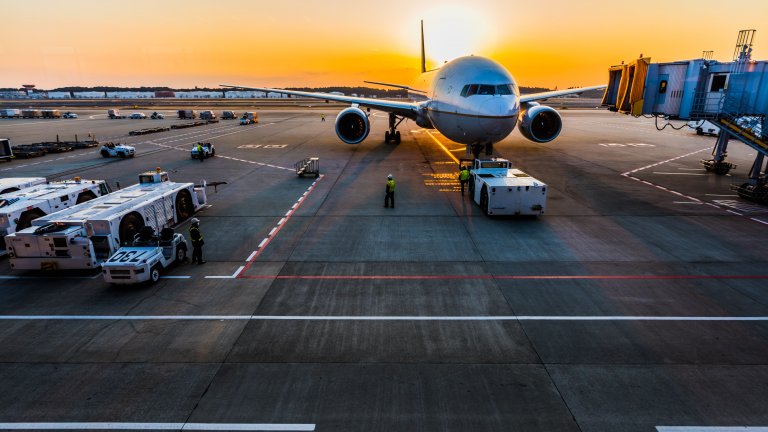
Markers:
500,189
117,150
146,257
87,234
18,209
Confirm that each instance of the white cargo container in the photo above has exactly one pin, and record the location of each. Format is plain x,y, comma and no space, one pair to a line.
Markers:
500,189
13,184
18,209
83,236
10,113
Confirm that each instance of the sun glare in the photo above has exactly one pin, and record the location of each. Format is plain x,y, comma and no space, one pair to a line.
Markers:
456,30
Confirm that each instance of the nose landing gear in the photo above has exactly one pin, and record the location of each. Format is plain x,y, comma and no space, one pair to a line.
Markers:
392,134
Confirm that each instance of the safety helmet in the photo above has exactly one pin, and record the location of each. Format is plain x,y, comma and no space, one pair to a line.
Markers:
195,221
389,176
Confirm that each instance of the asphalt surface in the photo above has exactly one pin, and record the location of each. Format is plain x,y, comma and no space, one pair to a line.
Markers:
637,301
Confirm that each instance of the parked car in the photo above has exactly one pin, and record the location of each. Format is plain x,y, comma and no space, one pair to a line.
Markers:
157,116
207,115
138,116
69,115
228,115
245,121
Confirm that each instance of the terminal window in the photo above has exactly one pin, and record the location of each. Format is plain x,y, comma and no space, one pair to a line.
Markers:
718,82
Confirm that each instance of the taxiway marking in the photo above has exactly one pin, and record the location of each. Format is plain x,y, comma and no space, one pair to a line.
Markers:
711,429
280,224
160,426
442,147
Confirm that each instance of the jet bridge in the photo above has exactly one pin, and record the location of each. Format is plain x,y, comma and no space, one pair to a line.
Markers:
733,95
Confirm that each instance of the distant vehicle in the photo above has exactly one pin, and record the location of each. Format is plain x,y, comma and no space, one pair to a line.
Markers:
117,150
147,255
249,117
69,115
207,115
138,116
187,114
157,116
10,113
115,114
208,151
6,152
50,113
228,115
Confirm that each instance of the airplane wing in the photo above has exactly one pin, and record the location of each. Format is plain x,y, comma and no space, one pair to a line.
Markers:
557,93
405,109
400,86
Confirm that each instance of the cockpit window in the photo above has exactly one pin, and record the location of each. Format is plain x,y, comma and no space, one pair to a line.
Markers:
488,89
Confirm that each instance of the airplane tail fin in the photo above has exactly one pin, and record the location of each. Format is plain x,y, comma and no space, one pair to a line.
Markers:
423,57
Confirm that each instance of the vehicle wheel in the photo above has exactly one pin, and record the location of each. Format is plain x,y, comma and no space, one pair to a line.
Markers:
386,137
181,254
213,152
154,274
26,218
122,155
471,187
484,200
85,196
193,157
129,226
104,153
184,206
397,137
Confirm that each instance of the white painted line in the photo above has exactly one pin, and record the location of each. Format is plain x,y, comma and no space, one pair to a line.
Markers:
250,257
175,277
218,277
712,429
375,318
237,272
678,173
736,213
266,239
687,202
272,232
281,221
759,220
288,213
161,426
721,195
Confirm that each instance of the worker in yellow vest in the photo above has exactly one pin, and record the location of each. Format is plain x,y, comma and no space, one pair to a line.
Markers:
390,194
463,177
197,242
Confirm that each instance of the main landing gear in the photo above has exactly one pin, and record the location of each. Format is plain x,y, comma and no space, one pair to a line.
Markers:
477,148
392,134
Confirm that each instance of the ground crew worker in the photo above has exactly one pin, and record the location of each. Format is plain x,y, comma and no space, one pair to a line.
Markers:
322,117
197,242
390,194
463,177
200,153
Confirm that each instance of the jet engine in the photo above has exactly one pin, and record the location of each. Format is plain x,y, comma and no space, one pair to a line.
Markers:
352,125
540,123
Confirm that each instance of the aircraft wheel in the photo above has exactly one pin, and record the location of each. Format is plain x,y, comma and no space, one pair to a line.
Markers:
397,137
386,137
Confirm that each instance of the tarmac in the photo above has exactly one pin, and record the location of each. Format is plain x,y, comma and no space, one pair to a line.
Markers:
637,302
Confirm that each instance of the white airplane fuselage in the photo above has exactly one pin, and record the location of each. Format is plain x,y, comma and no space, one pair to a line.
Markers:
486,113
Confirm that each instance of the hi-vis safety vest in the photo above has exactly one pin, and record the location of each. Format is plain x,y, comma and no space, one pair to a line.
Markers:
463,175
390,185
194,234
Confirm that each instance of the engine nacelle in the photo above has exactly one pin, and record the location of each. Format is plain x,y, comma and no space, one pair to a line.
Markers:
540,123
352,125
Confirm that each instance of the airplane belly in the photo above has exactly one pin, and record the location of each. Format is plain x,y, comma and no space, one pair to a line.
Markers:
466,129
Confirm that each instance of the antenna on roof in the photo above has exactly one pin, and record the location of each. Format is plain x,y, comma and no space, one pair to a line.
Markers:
423,57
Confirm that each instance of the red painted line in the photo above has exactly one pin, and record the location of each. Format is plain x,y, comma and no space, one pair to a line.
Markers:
543,277
273,233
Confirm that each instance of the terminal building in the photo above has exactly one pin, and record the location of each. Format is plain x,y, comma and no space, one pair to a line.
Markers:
732,95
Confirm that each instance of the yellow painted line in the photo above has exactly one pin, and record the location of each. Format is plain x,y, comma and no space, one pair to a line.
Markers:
443,147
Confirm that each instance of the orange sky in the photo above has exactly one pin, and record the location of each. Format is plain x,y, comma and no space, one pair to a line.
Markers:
189,43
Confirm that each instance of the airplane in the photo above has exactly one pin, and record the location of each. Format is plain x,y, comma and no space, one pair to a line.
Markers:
471,100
